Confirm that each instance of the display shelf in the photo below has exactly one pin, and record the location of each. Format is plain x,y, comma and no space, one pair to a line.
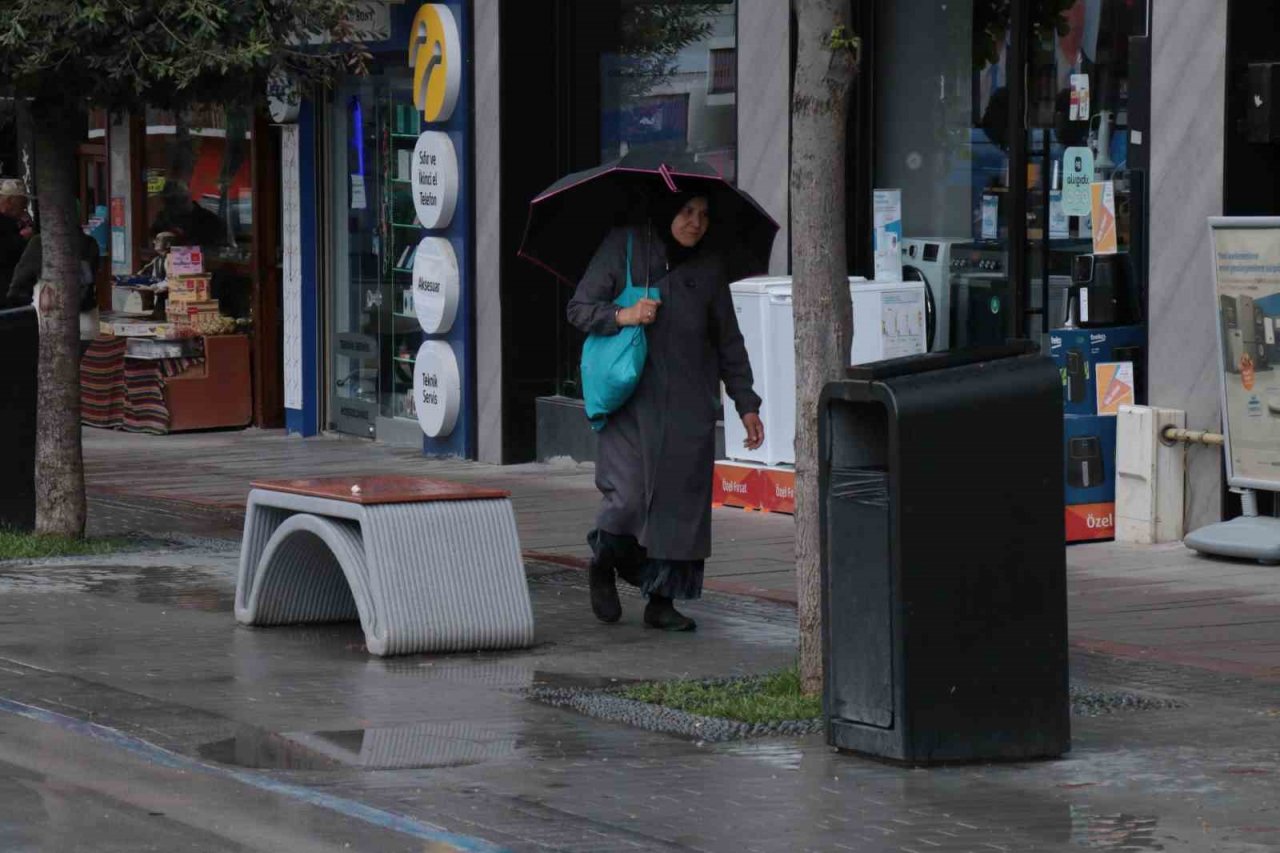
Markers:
404,316
406,225
402,269
402,360
405,181
413,136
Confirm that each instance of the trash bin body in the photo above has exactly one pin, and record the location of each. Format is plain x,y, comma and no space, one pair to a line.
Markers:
19,347
944,570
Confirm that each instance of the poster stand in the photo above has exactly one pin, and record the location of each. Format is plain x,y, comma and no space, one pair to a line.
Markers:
1246,277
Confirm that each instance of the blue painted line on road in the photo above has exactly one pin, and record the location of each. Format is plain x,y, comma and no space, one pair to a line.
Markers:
175,761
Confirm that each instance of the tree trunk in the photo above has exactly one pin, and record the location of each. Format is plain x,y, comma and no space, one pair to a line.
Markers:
60,500
823,312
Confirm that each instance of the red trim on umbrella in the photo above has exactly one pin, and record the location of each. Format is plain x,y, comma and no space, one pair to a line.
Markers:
531,259
665,172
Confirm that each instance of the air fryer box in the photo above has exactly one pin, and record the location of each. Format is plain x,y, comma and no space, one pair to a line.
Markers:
1089,462
1077,352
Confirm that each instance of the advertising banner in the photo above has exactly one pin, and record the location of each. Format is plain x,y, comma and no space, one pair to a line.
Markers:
1246,273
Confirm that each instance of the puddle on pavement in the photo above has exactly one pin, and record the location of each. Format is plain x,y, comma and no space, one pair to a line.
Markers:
189,588
1119,832
420,746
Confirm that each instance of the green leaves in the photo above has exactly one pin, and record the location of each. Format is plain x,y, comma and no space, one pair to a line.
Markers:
126,53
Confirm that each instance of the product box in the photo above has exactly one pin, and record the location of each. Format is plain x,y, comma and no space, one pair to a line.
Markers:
1079,352
185,260
130,330
766,488
186,313
1089,462
189,288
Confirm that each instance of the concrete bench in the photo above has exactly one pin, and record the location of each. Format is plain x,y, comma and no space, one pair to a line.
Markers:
425,565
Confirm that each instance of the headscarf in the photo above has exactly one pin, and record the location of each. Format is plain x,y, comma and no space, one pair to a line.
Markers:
662,213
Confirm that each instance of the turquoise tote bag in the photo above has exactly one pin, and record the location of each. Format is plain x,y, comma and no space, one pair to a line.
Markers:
612,364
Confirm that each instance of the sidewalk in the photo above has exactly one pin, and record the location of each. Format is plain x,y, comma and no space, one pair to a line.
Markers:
144,647
1160,603
448,748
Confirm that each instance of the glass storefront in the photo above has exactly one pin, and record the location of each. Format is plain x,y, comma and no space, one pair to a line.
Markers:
197,175
991,211
651,76
374,332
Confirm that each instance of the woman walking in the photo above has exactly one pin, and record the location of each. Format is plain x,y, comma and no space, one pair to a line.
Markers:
656,453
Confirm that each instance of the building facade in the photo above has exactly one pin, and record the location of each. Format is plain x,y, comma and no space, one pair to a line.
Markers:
405,315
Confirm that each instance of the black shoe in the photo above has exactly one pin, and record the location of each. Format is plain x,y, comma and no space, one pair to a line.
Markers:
661,613
604,593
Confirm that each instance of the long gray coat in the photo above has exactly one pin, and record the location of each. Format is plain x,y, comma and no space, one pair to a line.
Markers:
657,453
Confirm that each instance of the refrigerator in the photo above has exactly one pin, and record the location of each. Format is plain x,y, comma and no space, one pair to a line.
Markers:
889,321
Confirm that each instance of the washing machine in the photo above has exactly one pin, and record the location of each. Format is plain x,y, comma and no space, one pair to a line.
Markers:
929,260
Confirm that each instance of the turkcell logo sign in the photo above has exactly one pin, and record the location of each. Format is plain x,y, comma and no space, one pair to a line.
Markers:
435,55
1077,175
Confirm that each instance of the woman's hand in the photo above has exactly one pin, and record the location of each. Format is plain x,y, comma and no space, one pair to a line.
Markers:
642,313
755,430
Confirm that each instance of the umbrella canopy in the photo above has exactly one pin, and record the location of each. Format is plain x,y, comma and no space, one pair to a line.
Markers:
569,219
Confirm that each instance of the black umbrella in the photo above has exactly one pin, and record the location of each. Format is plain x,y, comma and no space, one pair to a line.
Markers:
569,219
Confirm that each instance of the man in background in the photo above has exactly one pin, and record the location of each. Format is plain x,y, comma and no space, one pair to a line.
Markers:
15,228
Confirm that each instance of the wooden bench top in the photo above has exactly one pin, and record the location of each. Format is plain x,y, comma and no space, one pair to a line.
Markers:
382,489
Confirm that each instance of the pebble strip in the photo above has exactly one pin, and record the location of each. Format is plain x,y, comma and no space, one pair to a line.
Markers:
657,718
604,705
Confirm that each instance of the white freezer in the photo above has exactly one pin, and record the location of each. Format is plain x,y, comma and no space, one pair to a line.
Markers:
888,322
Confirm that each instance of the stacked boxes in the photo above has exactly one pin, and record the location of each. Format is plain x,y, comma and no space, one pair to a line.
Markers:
189,291
189,288
1101,369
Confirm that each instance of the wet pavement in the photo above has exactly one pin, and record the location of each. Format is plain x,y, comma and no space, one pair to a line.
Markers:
448,751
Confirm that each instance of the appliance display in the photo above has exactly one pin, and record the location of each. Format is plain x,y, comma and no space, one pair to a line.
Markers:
1232,339
1102,292
1252,331
888,322
928,260
981,296
1077,384
1271,346
1084,462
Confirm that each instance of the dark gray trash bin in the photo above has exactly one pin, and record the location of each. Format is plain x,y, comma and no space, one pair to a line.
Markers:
943,558
19,346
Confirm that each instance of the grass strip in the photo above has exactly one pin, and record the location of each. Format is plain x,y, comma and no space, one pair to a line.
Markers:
15,545
755,699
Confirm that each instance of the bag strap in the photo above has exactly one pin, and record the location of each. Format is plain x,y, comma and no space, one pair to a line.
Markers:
629,235
648,233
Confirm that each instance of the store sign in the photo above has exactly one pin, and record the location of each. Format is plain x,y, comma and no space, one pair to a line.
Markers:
370,21
1077,176
437,285
284,97
1246,267
437,388
435,55
435,179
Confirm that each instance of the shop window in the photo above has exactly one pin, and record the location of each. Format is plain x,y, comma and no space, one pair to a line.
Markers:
374,330
197,174
650,76
944,137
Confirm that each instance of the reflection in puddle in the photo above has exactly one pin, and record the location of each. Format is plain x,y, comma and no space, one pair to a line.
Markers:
782,755
188,588
1113,831
425,745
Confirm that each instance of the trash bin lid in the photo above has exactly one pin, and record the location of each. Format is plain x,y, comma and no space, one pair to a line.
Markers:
928,362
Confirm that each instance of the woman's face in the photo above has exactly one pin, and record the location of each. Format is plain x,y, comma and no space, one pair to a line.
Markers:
690,224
